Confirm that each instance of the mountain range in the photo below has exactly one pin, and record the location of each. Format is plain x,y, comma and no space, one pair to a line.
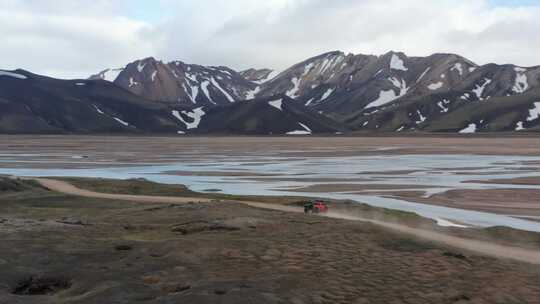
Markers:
330,93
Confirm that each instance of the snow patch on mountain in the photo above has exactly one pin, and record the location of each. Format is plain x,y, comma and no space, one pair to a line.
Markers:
132,82
390,95
458,67
153,77
519,126
12,75
521,84
306,131
140,66
305,127
435,86
276,104
442,104
479,89
293,93
299,132
421,118
534,113
471,128
196,115
397,64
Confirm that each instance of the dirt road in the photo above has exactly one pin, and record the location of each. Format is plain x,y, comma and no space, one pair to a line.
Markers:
489,249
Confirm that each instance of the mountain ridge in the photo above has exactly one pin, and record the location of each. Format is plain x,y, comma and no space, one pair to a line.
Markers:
392,92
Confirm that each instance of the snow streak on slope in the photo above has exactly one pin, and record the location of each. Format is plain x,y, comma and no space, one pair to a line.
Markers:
121,121
423,74
216,84
204,87
193,93
270,76
98,110
327,94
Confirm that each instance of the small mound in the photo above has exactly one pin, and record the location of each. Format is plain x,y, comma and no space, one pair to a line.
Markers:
458,256
202,226
41,285
13,185
122,247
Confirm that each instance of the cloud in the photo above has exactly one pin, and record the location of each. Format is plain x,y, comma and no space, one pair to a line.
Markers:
71,38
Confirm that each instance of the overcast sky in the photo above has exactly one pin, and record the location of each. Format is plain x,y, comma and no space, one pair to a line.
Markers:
75,38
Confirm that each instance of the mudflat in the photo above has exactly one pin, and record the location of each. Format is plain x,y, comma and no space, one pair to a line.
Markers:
140,149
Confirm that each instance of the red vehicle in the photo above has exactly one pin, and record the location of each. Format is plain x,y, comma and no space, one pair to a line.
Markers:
315,207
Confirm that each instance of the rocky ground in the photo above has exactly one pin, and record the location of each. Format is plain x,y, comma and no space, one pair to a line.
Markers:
58,248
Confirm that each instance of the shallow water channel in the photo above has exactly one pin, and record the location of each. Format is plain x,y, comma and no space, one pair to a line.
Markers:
272,175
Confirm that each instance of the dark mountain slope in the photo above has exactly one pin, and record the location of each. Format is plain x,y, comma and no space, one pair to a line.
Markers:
36,104
273,115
